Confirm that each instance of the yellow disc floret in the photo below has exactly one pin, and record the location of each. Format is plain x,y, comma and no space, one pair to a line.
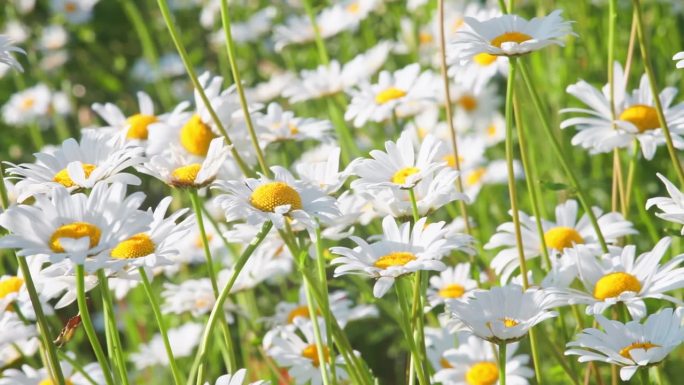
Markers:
510,37
10,285
613,284
300,311
389,94
137,126
562,237
484,59
74,230
48,381
626,351
395,258
400,176
136,246
185,176
311,352
195,136
467,102
270,195
643,117
482,373
453,290
63,178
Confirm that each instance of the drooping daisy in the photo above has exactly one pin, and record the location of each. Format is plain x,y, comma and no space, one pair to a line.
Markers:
474,363
393,92
565,233
279,125
454,282
6,50
679,56
300,355
623,277
183,339
635,116
672,208
632,345
176,168
236,379
75,226
512,35
283,197
401,250
28,375
98,157
503,314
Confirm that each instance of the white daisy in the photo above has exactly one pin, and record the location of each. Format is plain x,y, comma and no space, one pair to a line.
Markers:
680,57
176,168
494,172
14,294
27,106
194,296
474,362
392,94
279,125
565,232
672,208
17,339
183,339
401,250
27,375
623,277
452,283
75,11
635,116
75,226
512,35
236,379
502,314
78,165
263,199
58,281
323,173
6,51
271,88
632,345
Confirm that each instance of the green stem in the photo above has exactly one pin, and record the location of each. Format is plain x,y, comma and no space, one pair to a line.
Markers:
177,376
502,364
217,310
88,325
414,205
323,282
320,44
320,348
404,292
654,90
170,25
558,151
230,48
110,320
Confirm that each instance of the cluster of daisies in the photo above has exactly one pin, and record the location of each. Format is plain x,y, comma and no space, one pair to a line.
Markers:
181,206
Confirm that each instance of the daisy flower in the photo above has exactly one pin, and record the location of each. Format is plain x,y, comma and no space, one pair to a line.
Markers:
236,379
565,232
183,340
178,169
475,362
511,35
635,116
75,11
272,88
279,125
502,314
277,199
194,296
393,93
27,106
439,340
452,283
75,226
58,281
300,355
632,345
13,292
400,167
78,165
494,172
325,172
6,50
672,208
680,57
401,250
17,339
623,277
27,375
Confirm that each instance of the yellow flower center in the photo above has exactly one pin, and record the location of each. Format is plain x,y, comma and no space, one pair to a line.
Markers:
475,176
48,381
136,246
353,7
626,351
63,178
491,130
301,311
293,129
562,237
613,284
185,175
484,59
509,322
311,352
444,363
137,126
74,230
389,94
27,103
70,7
395,258
425,38
467,102
482,373
457,24
10,285
451,160
195,136
400,176
453,290
270,195
643,117
510,37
